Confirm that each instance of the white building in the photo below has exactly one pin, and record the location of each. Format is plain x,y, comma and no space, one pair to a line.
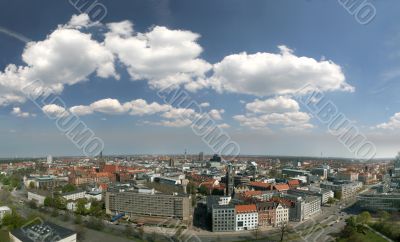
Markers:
3,211
74,195
36,197
246,217
281,215
43,232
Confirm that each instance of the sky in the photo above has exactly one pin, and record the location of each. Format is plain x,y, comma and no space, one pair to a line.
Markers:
242,62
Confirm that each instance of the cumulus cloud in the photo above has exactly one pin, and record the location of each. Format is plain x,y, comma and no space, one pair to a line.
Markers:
162,56
67,56
16,111
54,110
282,111
216,114
293,120
113,106
205,104
264,74
392,124
273,105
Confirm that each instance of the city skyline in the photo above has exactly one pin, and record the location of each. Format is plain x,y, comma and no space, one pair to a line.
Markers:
246,77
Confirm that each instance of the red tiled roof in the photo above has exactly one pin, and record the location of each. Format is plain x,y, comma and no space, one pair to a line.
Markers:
252,193
282,187
259,184
246,208
293,182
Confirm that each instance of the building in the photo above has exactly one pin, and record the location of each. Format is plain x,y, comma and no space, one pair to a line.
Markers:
3,211
294,173
347,176
320,171
136,203
223,217
75,195
323,194
300,207
246,217
201,156
229,181
343,189
272,214
43,232
49,159
376,202
37,196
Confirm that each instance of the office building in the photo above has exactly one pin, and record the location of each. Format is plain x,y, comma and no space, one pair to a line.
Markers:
139,203
43,232
377,202
246,217
229,180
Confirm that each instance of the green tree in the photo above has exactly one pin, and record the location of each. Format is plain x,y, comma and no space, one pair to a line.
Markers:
338,195
13,220
364,218
31,185
68,188
78,219
49,202
331,200
80,206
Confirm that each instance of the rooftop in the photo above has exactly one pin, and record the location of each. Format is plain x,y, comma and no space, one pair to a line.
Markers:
246,208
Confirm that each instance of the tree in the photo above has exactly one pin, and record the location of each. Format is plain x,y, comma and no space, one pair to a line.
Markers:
13,220
128,230
364,217
283,228
68,188
141,232
331,200
32,204
256,232
49,202
31,185
80,232
80,206
95,223
338,195
66,217
78,219
384,216
54,212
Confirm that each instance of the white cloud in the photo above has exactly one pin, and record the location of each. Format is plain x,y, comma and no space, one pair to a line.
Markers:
278,104
66,57
293,120
392,124
264,74
113,106
54,110
16,111
216,114
162,56
224,126
205,104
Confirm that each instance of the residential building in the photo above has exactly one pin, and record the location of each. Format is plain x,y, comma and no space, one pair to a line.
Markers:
271,214
346,189
43,232
75,195
135,203
246,217
347,176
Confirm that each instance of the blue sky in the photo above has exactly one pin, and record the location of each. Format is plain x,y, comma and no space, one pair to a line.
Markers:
323,44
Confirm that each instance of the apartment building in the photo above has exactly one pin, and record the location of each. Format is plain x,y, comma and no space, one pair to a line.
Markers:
272,214
376,202
138,203
75,195
347,189
246,217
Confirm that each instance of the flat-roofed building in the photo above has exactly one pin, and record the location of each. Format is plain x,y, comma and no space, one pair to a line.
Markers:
376,202
135,203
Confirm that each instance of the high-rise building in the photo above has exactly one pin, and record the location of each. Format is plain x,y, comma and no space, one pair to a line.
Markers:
201,156
216,158
49,159
396,172
229,180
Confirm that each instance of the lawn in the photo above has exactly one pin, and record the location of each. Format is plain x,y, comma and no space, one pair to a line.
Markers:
4,236
368,237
